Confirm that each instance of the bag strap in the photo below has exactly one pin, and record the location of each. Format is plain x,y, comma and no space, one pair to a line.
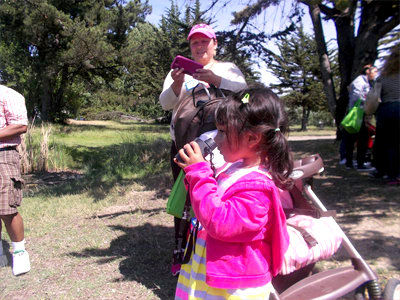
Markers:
217,90
193,93
191,244
307,237
183,225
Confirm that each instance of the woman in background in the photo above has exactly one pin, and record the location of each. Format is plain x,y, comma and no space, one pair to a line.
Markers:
387,139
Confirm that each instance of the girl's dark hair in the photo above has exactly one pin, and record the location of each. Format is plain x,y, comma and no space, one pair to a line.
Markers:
264,113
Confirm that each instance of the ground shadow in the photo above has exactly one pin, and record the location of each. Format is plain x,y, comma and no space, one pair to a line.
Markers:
146,256
357,197
346,190
372,245
7,252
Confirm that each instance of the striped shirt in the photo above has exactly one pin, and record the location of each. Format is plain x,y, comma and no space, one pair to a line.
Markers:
12,112
390,88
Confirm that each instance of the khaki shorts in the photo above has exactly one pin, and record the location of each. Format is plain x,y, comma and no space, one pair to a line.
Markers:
11,183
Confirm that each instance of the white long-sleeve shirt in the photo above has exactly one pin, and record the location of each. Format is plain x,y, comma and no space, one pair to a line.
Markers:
359,89
232,80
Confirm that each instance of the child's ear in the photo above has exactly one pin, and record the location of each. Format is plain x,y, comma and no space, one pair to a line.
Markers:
254,139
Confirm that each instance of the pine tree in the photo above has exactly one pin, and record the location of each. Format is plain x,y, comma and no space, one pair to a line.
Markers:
297,69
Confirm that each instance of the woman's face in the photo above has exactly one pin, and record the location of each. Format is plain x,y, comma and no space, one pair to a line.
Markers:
202,48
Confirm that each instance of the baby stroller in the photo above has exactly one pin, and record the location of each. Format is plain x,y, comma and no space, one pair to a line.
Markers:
330,284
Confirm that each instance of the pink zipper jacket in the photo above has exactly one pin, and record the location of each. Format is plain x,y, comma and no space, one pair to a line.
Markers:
245,225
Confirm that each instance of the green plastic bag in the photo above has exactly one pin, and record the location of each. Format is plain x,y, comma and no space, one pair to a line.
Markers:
177,198
353,120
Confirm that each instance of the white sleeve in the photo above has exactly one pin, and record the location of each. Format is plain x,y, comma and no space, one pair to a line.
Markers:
167,98
232,79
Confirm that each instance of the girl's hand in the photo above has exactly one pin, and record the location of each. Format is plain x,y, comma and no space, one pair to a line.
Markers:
207,76
190,154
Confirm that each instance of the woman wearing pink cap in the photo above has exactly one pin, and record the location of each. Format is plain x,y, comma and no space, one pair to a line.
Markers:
178,86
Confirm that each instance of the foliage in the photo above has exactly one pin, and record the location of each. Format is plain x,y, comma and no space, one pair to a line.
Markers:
147,62
233,45
356,48
64,44
74,59
297,69
373,20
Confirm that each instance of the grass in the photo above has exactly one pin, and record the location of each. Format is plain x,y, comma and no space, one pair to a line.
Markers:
97,228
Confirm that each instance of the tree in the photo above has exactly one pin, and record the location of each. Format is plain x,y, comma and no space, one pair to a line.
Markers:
356,48
147,59
234,46
67,42
297,69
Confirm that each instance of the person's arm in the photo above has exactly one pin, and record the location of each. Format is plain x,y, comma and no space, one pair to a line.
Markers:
171,89
15,113
240,218
226,76
234,81
12,131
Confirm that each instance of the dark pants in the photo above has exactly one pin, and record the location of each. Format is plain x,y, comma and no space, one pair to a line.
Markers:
343,145
362,138
387,140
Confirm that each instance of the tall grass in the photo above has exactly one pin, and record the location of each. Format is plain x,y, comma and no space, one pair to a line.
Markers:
34,148
105,152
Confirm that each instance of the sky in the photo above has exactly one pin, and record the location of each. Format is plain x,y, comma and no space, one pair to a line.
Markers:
271,20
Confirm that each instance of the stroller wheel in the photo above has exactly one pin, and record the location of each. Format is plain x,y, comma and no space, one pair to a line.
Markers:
360,293
392,290
369,290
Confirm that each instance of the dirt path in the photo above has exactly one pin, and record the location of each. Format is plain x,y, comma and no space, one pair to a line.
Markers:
312,137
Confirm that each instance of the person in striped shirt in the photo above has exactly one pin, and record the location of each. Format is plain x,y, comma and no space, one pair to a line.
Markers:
13,123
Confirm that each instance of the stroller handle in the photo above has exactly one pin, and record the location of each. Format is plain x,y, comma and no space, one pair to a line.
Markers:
307,167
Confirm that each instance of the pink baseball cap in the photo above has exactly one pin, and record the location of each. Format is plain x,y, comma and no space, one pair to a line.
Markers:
203,29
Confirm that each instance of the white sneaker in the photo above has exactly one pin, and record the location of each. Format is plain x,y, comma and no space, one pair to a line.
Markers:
3,260
342,162
21,263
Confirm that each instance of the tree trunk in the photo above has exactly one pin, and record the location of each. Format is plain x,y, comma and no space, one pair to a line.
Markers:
46,99
59,103
304,119
325,67
345,39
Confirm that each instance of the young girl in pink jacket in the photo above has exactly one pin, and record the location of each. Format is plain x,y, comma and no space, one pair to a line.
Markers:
242,237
